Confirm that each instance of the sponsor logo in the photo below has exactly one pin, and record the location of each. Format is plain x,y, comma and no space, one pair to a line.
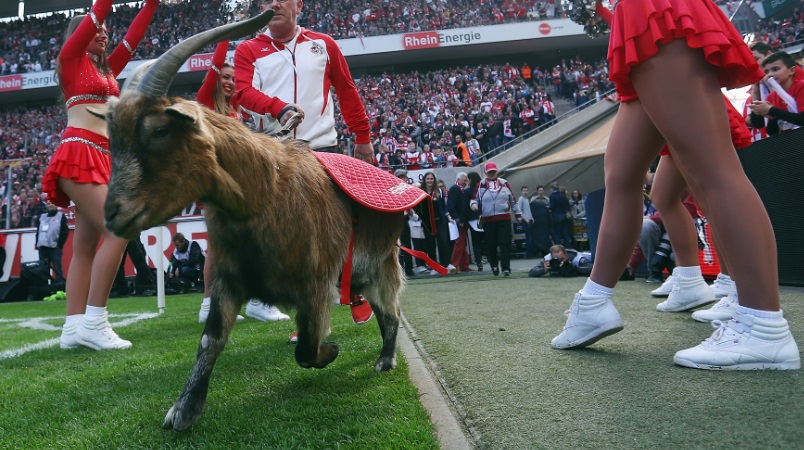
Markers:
426,39
460,38
544,28
199,62
11,83
431,39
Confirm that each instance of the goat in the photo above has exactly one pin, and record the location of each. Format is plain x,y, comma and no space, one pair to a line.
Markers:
278,226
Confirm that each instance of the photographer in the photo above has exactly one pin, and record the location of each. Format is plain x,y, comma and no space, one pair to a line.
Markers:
558,264
187,261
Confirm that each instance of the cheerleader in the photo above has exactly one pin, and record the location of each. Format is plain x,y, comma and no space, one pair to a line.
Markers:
685,288
80,168
668,60
216,94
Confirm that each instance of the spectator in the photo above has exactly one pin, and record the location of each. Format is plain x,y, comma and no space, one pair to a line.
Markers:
559,213
462,153
437,242
527,217
51,235
495,201
458,208
577,205
187,261
784,106
542,224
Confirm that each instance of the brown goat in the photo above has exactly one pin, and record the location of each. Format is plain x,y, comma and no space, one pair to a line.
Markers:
278,226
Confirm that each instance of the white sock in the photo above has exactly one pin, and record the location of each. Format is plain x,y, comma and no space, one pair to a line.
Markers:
96,314
592,288
73,320
206,302
771,316
688,272
724,277
255,302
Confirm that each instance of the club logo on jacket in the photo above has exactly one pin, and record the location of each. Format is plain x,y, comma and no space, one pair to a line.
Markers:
317,49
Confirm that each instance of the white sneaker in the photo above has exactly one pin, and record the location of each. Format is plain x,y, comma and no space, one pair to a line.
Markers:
665,289
722,286
264,313
589,319
68,339
203,313
724,309
744,343
100,336
687,293
421,269
451,269
433,273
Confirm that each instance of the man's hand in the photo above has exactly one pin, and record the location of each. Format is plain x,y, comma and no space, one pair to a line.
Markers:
473,207
365,152
290,112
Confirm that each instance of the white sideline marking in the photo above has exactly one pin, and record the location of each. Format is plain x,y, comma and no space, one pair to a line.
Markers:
37,323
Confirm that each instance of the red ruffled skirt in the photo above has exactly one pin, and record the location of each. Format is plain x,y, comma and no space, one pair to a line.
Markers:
740,135
82,156
640,26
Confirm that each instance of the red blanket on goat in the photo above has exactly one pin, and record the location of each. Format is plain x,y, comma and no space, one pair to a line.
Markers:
375,189
370,186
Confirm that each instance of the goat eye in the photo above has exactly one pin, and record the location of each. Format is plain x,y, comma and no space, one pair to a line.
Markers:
160,132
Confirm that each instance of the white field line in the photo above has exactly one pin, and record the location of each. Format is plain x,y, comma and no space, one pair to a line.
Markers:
37,323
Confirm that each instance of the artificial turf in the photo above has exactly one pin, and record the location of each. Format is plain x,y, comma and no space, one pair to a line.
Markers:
489,340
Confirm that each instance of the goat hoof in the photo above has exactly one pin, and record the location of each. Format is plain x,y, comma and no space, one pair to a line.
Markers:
327,353
385,364
180,417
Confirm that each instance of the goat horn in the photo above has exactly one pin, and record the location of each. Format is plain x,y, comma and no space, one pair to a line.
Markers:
136,75
157,79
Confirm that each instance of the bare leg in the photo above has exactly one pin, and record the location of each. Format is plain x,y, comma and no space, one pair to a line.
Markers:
669,189
633,144
89,199
85,241
692,117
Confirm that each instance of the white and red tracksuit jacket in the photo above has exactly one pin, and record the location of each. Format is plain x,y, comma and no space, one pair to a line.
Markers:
269,76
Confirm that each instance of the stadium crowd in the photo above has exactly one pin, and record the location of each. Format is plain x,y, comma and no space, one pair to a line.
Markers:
410,112
31,44
418,119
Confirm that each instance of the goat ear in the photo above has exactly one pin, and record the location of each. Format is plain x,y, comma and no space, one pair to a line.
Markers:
98,111
185,111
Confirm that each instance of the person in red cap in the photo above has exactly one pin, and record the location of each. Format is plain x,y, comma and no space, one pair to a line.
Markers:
495,200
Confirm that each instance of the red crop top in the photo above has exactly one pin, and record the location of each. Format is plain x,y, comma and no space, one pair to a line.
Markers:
81,81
